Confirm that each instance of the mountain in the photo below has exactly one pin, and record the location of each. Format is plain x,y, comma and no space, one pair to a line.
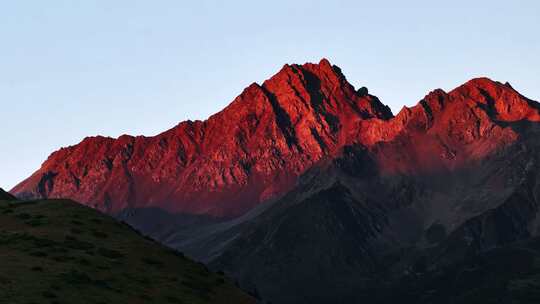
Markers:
276,131
317,193
57,251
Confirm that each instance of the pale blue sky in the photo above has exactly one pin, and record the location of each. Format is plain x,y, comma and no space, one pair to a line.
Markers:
69,69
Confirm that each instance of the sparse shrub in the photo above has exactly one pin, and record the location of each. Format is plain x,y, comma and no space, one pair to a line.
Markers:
76,277
84,262
42,243
62,258
103,267
59,249
35,222
39,254
199,287
73,243
23,216
48,295
178,253
152,262
144,281
172,299
76,231
37,268
99,234
109,253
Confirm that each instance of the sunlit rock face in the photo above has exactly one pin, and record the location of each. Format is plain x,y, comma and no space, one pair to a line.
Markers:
251,151
256,148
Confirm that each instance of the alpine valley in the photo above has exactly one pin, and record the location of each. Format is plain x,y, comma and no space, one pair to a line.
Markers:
307,190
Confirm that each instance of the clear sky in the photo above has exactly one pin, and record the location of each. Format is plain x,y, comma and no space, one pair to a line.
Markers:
69,69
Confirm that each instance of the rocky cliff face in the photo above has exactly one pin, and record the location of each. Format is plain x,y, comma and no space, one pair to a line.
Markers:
445,131
256,148
251,151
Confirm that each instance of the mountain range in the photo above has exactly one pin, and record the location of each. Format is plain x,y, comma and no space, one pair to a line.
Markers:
308,190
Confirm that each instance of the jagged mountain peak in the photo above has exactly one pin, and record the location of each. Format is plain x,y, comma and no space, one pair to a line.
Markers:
480,98
501,101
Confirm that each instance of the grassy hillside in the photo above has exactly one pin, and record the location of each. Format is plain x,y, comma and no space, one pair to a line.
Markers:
57,251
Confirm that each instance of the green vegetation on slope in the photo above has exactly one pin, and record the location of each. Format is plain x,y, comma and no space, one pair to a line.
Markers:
57,251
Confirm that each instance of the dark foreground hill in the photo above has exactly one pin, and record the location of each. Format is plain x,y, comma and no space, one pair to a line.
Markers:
57,251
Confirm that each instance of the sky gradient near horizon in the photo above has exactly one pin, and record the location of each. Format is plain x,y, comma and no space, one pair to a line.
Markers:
70,69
